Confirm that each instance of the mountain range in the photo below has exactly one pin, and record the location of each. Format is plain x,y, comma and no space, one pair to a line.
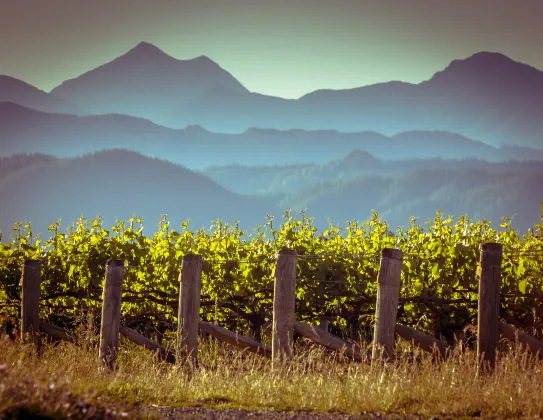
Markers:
119,184
487,97
23,130
148,134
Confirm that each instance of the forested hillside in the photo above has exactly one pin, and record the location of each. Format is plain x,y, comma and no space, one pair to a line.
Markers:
116,184
119,184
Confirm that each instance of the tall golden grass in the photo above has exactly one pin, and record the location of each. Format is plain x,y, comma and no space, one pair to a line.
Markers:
65,377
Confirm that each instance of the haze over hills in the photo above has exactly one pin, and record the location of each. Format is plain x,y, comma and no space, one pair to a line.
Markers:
119,184
420,193
27,131
356,165
468,140
487,96
146,82
350,187
116,184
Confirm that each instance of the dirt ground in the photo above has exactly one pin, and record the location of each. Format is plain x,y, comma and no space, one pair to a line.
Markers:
224,414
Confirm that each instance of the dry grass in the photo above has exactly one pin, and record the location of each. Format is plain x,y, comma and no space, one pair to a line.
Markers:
67,379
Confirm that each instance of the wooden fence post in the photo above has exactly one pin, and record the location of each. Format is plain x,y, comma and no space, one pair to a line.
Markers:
390,272
190,280
284,299
30,301
111,313
489,303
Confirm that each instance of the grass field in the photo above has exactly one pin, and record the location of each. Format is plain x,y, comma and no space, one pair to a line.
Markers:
67,380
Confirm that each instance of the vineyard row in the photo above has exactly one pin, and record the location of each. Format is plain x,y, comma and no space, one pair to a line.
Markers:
284,323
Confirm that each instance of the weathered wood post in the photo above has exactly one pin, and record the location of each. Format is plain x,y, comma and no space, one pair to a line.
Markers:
390,272
190,280
284,299
111,313
30,301
489,303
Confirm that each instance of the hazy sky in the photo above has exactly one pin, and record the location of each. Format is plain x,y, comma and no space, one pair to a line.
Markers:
279,47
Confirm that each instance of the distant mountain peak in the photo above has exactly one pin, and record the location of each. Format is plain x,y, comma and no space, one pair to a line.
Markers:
195,129
148,83
203,58
490,55
359,157
204,63
147,51
143,45
486,66
484,61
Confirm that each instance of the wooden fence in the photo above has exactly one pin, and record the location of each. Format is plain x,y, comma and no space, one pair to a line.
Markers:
284,324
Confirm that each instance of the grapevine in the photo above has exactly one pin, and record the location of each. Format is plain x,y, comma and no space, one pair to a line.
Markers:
337,272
